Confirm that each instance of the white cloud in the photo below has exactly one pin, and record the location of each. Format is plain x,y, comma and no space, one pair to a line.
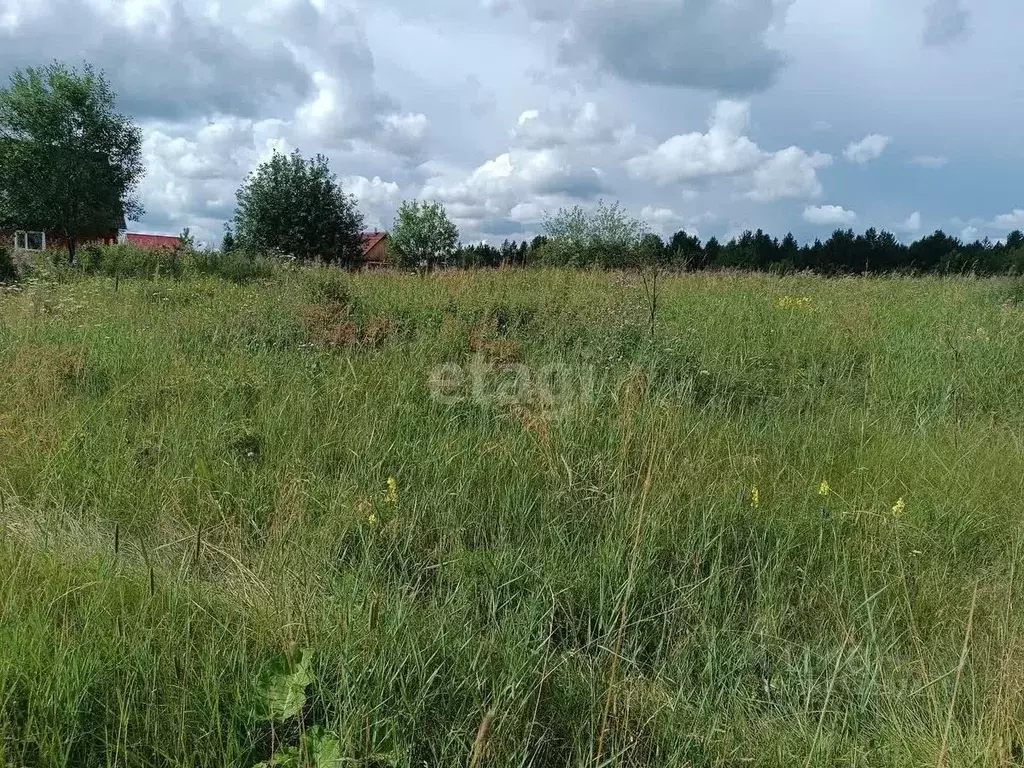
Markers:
789,173
722,151
497,6
969,234
913,223
929,161
504,193
667,222
829,215
233,65
377,199
657,215
725,151
585,125
527,116
867,149
251,80
1013,220
191,180
528,213
373,190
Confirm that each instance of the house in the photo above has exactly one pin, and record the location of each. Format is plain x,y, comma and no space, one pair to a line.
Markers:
152,242
30,235
28,240
36,240
375,249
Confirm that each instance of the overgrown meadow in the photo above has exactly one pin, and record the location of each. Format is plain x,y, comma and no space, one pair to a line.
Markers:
489,519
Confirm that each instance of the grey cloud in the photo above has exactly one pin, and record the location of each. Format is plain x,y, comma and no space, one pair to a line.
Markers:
945,21
584,126
171,66
577,183
712,44
217,85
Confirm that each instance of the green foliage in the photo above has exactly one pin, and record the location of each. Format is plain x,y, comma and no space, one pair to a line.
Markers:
286,757
320,749
549,565
605,237
8,271
844,252
282,692
228,244
235,266
186,240
69,163
284,686
296,207
324,748
127,260
423,235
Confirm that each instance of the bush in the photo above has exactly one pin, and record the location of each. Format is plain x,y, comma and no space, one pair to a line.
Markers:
126,260
8,271
234,266
90,258
329,286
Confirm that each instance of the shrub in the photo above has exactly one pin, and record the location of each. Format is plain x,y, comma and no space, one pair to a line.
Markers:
90,259
329,286
126,260
8,271
235,266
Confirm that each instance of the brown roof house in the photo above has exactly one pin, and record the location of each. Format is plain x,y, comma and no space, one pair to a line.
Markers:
375,249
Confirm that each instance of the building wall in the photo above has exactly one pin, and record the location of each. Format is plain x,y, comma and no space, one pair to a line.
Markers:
55,240
378,255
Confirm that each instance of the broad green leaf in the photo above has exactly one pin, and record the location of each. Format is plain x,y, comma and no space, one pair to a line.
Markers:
284,687
288,757
324,748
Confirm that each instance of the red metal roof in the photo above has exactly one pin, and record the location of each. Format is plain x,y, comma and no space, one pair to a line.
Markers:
153,241
371,239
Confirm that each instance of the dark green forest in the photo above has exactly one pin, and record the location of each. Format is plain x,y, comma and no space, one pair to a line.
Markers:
844,252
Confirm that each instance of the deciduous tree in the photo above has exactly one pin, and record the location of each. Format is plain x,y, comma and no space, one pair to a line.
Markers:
69,162
294,206
423,235
605,237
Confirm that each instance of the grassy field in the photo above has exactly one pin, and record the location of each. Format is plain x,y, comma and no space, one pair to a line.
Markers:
488,520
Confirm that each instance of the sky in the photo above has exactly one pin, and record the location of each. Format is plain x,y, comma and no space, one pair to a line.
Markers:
711,116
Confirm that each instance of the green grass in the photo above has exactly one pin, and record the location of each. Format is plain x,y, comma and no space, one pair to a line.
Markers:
194,478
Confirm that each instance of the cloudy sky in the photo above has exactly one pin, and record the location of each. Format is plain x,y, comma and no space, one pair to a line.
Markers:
707,115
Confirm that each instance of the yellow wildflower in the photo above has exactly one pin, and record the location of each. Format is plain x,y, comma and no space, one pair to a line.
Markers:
899,507
372,520
391,496
755,497
793,302
824,489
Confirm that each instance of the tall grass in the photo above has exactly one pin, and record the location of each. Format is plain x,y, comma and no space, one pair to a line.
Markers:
194,478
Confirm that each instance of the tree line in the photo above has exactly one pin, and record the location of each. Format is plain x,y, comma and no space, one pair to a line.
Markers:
608,237
71,164
844,252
